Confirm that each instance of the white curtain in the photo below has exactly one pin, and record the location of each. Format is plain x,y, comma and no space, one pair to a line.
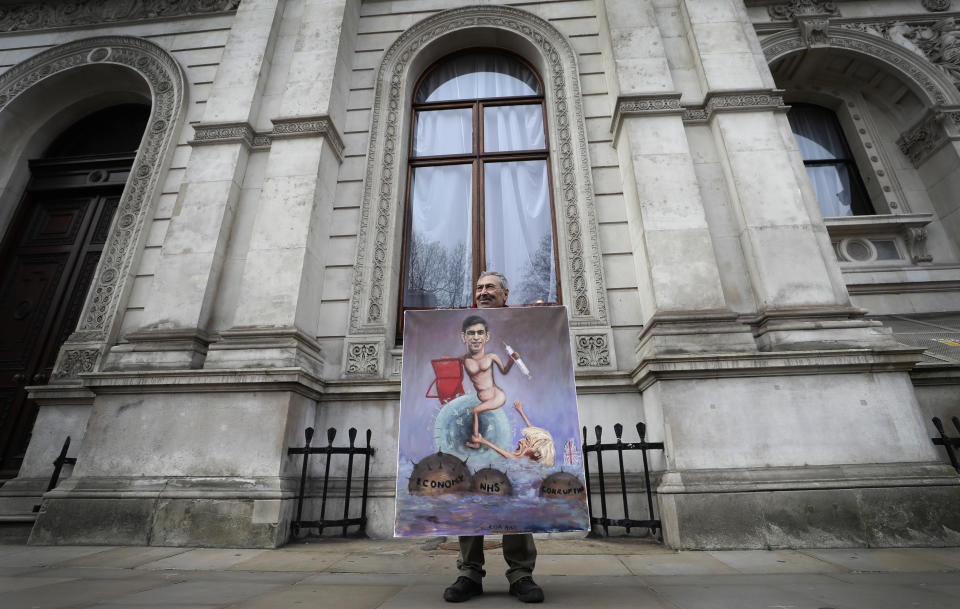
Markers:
513,128
518,229
478,75
438,269
443,132
831,183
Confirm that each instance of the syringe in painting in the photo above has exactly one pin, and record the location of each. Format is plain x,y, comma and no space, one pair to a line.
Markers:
516,358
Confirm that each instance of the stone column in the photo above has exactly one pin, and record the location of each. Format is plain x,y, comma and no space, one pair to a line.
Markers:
684,305
175,333
279,299
774,208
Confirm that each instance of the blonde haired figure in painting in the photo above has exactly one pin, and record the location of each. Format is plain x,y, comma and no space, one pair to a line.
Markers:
535,444
519,550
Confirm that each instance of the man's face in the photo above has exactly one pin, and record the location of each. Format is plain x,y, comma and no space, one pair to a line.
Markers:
490,294
475,337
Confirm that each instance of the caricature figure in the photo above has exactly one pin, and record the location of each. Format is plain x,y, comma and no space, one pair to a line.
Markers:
535,444
479,367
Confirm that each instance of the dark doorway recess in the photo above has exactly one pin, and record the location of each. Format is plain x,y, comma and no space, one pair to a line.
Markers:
49,254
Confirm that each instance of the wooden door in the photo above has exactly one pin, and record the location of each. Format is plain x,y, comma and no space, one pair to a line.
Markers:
47,262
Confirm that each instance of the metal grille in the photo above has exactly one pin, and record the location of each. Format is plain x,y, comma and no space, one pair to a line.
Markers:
938,333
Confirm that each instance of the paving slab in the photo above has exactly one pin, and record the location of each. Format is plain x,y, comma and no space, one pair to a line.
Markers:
575,564
10,584
290,561
575,591
874,596
950,590
198,592
897,559
329,596
676,563
38,556
774,561
76,593
205,559
373,579
395,563
123,558
738,597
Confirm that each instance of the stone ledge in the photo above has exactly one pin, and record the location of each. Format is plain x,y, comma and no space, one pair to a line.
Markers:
725,365
296,380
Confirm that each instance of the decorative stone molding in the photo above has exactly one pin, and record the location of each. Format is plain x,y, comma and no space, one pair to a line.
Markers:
813,31
73,362
47,14
593,351
230,133
937,85
99,318
644,105
577,228
363,359
856,238
796,8
936,6
311,126
734,101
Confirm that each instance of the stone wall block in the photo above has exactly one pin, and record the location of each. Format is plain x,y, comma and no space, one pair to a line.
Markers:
683,270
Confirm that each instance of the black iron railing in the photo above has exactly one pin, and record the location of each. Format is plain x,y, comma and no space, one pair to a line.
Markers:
329,450
949,444
619,446
58,463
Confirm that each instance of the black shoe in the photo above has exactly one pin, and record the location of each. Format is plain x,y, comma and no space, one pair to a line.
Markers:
527,590
464,589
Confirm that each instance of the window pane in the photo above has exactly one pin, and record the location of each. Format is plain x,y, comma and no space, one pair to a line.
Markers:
443,132
478,75
518,230
832,185
513,128
438,268
817,133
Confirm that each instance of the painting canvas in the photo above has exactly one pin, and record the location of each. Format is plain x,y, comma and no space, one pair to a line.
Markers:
489,431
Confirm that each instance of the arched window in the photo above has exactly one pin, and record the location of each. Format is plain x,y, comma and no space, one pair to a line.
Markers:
826,155
478,185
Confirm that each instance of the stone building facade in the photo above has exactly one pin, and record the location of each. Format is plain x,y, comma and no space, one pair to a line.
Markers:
251,278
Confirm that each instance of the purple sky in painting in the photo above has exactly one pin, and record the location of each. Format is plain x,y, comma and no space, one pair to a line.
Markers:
539,334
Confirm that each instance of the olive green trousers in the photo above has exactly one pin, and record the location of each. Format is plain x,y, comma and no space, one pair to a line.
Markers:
518,550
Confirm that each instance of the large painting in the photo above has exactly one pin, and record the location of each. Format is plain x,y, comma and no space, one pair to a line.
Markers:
489,432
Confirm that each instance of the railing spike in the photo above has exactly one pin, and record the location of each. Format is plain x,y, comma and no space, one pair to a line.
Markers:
331,434
618,430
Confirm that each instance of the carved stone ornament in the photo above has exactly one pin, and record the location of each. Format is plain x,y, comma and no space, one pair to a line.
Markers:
925,138
229,133
917,243
100,312
363,359
73,362
813,30
797,8
577,228
850,37
936,6
644,105
46,14
593,351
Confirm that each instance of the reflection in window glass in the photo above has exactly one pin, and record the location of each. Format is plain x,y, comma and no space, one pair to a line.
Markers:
519,230
439,132
438,249
477,76
513,128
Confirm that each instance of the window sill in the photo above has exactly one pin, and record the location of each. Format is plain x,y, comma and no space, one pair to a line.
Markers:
880,240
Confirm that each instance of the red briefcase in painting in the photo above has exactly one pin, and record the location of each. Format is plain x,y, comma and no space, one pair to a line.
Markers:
449,381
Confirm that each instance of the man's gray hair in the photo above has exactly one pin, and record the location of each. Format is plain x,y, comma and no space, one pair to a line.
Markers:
498,275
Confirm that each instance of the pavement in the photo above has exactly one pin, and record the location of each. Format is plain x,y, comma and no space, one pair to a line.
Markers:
411,574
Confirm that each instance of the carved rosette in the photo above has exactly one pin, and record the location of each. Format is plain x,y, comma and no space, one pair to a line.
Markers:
47,14
100,313
576,221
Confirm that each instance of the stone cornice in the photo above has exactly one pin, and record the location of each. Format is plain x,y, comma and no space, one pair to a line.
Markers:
715,101
232,133
295,380
49,14
779,363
